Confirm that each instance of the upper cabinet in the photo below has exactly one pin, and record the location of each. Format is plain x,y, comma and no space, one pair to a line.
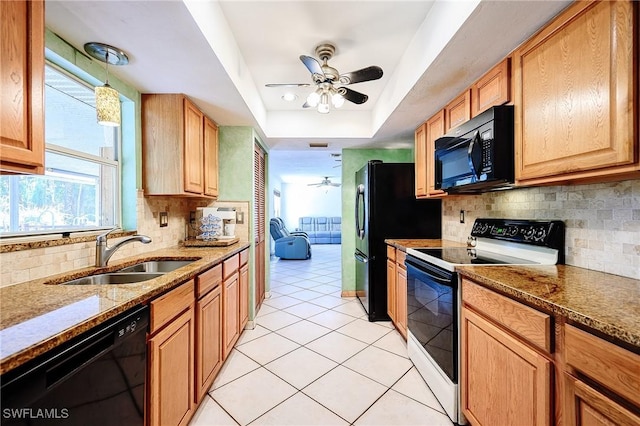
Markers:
494,88
576,96
458,110
420,153
22,82
180,147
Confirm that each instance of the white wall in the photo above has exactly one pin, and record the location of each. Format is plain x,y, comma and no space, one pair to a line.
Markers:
302,200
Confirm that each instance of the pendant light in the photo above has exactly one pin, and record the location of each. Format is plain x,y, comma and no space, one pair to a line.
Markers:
107,98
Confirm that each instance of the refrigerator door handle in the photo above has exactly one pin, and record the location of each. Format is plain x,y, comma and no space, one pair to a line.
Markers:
359,226
360,258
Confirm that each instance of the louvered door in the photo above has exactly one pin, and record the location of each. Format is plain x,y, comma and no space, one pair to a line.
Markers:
259,223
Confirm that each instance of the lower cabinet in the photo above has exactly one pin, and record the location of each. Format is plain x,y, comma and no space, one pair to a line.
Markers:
231,304
391,289
244,296
397,289
171,358
208,340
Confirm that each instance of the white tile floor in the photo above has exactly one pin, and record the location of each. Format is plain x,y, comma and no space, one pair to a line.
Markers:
314,359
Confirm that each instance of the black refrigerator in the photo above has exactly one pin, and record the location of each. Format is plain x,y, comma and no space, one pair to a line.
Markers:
386,207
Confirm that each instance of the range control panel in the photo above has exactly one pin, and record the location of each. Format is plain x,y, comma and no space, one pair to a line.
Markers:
535,232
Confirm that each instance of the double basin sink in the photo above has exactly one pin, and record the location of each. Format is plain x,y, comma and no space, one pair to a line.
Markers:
132,274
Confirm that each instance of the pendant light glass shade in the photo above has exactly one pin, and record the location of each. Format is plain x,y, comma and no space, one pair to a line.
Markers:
107,105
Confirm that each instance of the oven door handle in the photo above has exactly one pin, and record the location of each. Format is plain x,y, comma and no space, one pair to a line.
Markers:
434,273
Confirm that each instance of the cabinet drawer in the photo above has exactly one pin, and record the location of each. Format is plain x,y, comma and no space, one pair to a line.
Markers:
391,253
244,256
400,258
528,323
208,280
169,305
230,266
612,366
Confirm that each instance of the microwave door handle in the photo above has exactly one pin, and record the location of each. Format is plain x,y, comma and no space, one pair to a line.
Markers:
474,154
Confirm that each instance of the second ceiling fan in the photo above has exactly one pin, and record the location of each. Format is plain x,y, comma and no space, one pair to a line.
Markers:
326,78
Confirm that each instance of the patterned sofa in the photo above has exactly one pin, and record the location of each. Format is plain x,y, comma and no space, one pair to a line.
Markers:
321,229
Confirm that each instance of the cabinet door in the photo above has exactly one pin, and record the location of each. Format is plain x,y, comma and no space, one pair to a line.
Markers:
401,299
421,161
209,341
244,296
193,145
210,158
391,289
492,89
458,110
230,313
576,97
171,386
435,129
503,381
586,406
22,82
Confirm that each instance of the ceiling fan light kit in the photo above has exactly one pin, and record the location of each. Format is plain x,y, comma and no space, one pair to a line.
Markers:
325,76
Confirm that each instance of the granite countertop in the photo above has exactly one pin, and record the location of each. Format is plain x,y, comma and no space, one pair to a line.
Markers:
404,244
603,302
39,315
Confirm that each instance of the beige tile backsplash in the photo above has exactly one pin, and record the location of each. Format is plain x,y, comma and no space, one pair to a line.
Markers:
25,265
602,220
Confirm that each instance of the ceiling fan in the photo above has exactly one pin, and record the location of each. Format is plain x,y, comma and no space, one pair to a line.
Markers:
325,182
326,78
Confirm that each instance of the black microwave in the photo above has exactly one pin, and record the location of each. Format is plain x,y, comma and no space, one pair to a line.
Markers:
477,156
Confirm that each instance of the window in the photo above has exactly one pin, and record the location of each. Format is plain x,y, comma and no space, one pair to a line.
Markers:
80,188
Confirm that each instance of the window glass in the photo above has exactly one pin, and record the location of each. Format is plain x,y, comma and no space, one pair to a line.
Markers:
80,188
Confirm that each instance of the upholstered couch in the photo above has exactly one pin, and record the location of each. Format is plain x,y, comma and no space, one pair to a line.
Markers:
321,229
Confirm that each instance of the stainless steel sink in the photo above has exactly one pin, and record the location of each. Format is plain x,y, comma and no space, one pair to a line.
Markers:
114,278
161,266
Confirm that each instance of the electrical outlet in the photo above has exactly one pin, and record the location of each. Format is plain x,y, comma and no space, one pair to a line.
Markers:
164,219
461,216
192,217
240,218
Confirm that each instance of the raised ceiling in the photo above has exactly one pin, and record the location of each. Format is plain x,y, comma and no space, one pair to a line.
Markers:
222,53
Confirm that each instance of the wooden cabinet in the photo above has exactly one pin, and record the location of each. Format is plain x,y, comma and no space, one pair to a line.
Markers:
601,381
503,378
576,96
425,147
391,283
208,330
458,110
397,289
244,289
420,160
210,158
231,304
171,358
494,88
179,146
22,81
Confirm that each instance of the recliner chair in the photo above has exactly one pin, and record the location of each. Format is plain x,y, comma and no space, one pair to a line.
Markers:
289,245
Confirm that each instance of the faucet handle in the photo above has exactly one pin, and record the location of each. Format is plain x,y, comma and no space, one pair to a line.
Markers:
102,238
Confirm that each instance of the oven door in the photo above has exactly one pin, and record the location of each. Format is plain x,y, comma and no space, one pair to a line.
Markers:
432,313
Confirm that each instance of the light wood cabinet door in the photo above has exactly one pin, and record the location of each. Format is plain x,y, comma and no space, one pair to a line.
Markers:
391,289
208,340
244,297
210,158
585,406
22,82
503,380
193,148
458,110
401,299
435,128
171,385
420,160
494,88
576,96
230,313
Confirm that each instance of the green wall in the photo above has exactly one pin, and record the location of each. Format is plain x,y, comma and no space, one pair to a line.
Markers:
352,161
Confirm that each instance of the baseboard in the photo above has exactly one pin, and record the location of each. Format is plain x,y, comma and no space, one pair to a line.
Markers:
267,295
250,325
348,293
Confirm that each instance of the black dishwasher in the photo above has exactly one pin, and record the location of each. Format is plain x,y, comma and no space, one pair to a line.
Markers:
97,378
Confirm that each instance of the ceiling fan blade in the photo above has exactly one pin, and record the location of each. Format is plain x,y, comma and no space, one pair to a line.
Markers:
287,85
365,74
306,105
334,184
353,96
313,66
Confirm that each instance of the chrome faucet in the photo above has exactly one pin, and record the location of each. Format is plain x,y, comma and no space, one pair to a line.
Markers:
103,252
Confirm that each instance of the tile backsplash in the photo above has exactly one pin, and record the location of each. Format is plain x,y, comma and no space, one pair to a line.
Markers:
25,265
602,220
